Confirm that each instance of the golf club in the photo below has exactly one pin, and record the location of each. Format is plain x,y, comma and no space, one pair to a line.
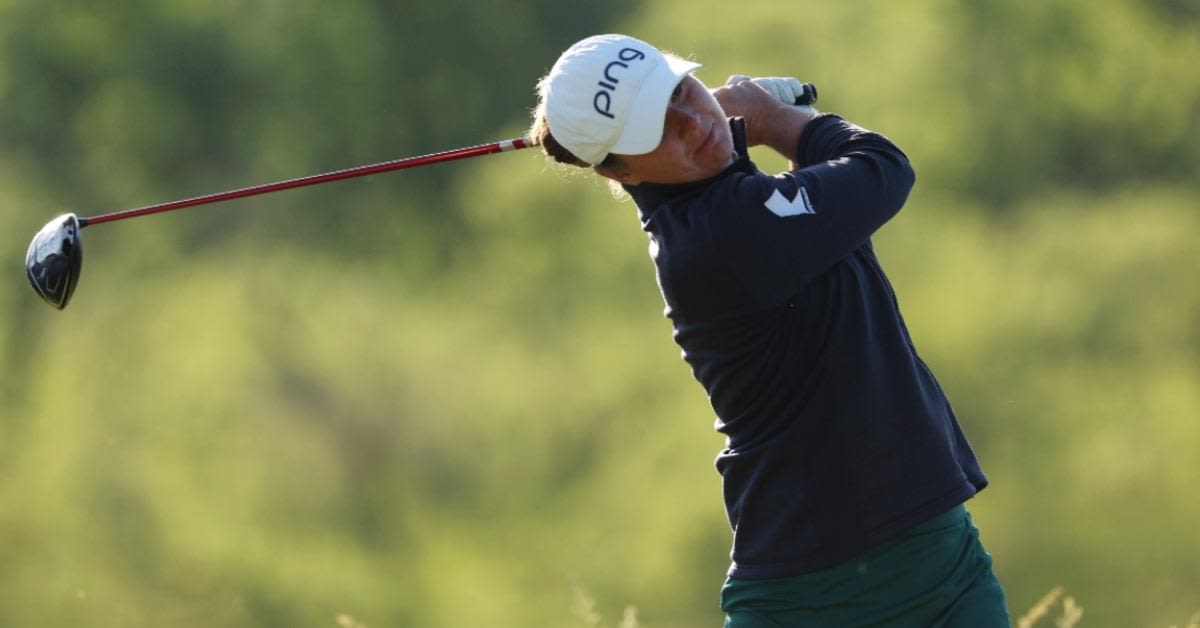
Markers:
55,255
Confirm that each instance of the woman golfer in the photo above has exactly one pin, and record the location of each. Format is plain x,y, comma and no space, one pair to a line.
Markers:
845,469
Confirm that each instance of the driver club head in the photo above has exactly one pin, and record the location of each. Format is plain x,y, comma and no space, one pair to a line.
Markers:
54,259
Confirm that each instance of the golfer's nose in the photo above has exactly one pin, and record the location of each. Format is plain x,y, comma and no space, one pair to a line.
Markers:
682,118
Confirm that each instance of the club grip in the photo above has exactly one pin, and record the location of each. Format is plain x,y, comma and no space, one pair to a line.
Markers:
809,96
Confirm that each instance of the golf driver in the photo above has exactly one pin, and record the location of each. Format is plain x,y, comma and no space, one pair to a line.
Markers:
56,254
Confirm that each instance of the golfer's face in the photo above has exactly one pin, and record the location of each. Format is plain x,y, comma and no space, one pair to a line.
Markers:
696,142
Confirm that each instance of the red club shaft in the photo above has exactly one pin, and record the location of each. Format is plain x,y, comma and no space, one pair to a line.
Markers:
360,171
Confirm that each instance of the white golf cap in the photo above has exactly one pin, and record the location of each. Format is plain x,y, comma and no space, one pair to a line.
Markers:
609,94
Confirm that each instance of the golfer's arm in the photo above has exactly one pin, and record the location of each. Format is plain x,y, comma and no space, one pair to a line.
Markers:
782,130
852,172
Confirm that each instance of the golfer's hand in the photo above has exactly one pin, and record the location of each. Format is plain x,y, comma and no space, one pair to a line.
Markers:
769,121
785,89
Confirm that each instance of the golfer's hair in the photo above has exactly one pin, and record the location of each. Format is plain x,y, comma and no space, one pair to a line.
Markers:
539,132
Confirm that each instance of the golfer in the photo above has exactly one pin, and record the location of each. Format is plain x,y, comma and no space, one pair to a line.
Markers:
845,469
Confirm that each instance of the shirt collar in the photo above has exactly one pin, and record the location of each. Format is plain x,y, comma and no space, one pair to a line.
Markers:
649,196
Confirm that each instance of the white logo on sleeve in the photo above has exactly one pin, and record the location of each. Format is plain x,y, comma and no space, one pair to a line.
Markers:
780,206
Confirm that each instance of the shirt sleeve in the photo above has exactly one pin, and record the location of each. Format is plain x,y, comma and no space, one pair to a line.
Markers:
780,232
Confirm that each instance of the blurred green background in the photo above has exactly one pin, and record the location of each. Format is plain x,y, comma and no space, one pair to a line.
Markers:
447,397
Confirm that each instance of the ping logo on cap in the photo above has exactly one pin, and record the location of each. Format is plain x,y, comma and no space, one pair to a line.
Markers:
602,100
608,94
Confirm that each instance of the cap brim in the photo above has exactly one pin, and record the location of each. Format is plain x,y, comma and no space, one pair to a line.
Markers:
643,128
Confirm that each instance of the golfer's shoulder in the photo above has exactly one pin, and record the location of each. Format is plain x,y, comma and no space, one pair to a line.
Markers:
746,190
697,206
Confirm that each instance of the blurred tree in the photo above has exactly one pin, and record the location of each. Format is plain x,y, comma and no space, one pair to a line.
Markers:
142,102
426,399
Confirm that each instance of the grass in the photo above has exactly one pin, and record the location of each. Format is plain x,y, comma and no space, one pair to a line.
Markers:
1069,613
346,621
584,609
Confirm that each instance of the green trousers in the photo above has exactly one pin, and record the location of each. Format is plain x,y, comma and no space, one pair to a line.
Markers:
935,575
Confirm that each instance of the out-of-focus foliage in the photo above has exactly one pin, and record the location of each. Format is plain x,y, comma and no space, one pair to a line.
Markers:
440,397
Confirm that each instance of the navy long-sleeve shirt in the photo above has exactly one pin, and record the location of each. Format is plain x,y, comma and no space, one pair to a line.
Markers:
838,437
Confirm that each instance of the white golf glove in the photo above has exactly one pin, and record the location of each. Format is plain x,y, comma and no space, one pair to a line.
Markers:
786,89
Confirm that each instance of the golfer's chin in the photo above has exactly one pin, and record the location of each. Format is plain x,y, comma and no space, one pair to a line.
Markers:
714,157
705,166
